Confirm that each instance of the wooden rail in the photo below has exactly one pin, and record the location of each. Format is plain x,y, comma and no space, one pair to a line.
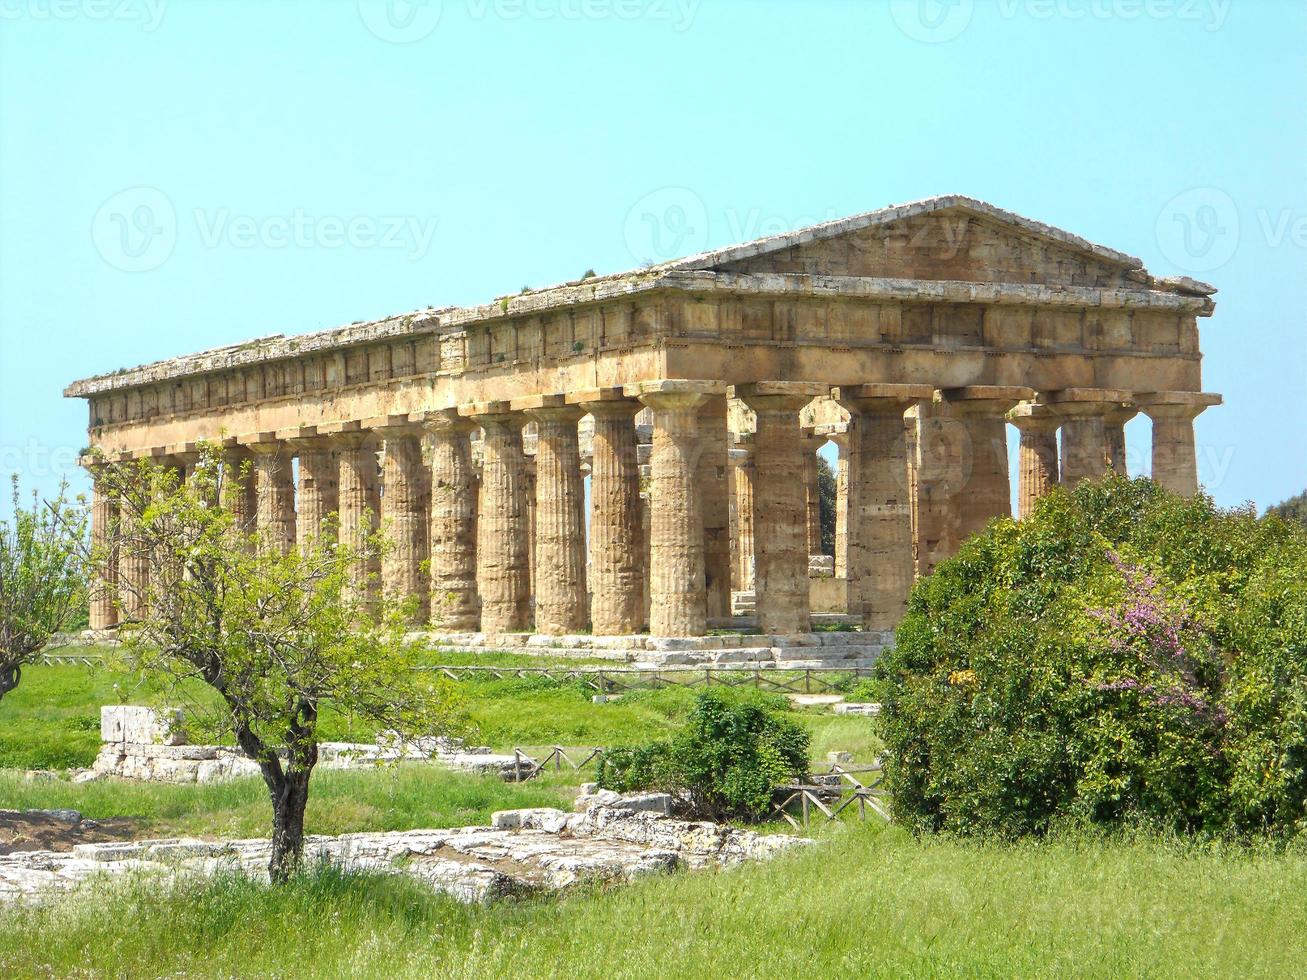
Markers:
525,767
831,799
613,680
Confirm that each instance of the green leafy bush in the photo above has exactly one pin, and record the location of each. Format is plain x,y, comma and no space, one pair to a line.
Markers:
733,750
1122,657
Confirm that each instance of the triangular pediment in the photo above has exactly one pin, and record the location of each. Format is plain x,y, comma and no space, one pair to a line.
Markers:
947,238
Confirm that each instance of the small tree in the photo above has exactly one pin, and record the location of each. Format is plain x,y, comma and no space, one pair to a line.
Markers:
827,499
42,580
726,761
279,637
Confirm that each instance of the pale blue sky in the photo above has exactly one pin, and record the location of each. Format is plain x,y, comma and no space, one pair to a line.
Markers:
181,175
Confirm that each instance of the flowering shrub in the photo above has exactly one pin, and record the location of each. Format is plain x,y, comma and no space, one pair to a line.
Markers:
1123,656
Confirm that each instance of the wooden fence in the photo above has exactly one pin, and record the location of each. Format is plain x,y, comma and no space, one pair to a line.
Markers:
830,798
526,767
615,680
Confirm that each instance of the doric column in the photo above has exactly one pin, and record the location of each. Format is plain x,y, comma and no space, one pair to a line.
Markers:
1175,458
503,569
317,494
455,605
404,520
617,546
104,518
1085,453
880,562
1114,427
812,490
780,504
711,482
841,440
358,502
742,474
275,493
985,491
678,604
560,594
1038,467
239,493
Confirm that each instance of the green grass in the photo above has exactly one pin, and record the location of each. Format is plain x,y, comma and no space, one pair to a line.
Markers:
393,798
52,720
866,901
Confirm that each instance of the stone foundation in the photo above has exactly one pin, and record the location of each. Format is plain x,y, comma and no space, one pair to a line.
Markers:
145,744
784,652
525,852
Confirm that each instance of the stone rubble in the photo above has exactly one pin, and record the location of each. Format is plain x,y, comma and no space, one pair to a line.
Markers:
522,852
140,743
795,651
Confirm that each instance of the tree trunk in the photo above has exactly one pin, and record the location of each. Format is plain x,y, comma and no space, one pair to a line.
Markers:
289,799
9,677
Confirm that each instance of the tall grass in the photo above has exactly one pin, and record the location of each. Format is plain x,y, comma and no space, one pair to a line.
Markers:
867,901
393,798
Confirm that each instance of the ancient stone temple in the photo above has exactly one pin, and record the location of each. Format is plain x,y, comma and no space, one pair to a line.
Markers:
636,451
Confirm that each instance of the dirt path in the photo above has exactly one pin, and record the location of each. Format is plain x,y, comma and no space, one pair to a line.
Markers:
57,830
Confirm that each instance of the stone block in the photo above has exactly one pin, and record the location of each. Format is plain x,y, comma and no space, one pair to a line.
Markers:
145,726
858,708
536,818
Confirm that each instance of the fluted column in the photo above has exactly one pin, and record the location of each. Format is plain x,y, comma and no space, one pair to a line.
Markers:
560,593
503,569
678,604
455,605
780,505
317,495
742,474
841,440
239,492
986,490
104,519
1037,466
711,482
812,491
1175,456
404,520
880,556
1114,427
359,504
1085,451
617,546
275,495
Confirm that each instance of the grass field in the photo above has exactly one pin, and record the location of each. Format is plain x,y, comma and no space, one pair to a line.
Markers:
52,720
868,901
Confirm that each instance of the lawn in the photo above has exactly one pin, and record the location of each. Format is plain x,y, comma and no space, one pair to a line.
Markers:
52,720
868,901
869,898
